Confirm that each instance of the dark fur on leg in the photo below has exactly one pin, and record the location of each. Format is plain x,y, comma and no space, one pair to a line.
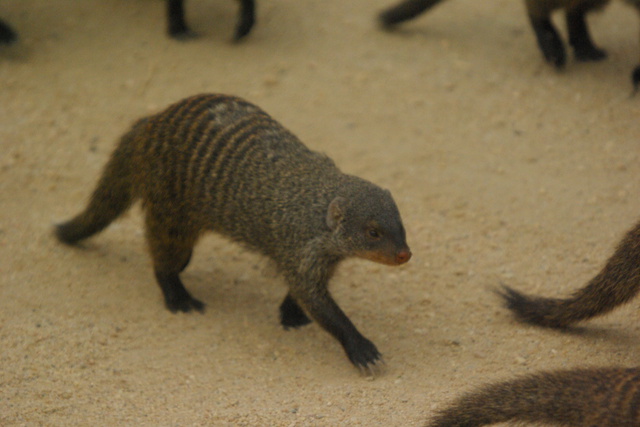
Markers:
176,25
178,29
405,11
579,37
291,315
635,79
7,35
246,20
549,41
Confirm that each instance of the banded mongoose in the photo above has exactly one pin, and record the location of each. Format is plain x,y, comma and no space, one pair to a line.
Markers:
539,12
617,283
178,29
217,162
7,35
602,397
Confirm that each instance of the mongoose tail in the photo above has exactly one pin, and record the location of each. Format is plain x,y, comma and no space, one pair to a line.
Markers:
113,195
177,27
219,163
617,283
405,11
607,397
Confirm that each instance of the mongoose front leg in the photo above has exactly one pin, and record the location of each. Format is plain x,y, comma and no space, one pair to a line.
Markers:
549,41
579,37
291,315
323,309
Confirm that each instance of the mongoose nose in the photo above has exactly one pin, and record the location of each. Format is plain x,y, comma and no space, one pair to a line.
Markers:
403,256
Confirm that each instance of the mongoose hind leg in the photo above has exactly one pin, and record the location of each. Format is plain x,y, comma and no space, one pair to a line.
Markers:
291,315
549,41
171,247
579,37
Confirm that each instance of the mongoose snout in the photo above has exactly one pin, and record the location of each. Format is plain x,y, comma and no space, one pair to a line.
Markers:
399,257
403,257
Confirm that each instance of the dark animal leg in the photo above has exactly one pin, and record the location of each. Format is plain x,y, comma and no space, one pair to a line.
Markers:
7,35
549,41
171,249
323,309
635,78
291,315
186,261
405,11
176,25
579,37
246,19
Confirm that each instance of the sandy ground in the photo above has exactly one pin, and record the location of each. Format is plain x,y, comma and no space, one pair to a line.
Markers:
505,171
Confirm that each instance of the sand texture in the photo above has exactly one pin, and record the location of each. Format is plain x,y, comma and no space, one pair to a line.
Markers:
505,172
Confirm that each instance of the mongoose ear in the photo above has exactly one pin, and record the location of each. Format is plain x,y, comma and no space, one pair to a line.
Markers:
335,213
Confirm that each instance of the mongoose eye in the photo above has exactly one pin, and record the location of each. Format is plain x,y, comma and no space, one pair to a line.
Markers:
373,233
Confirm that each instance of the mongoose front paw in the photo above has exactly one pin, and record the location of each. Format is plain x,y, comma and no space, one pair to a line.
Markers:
363,354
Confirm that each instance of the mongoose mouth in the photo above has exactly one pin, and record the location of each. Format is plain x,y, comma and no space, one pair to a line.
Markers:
398,258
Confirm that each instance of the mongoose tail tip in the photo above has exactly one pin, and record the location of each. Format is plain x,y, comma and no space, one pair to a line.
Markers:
532,310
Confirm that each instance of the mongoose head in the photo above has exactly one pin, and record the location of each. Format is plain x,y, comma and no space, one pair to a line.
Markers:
367,224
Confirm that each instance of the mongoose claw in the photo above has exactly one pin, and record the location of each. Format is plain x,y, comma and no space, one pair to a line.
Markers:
364,355
375,369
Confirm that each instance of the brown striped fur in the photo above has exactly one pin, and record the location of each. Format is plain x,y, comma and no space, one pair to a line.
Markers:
539,13
617,283
604,397
216,162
